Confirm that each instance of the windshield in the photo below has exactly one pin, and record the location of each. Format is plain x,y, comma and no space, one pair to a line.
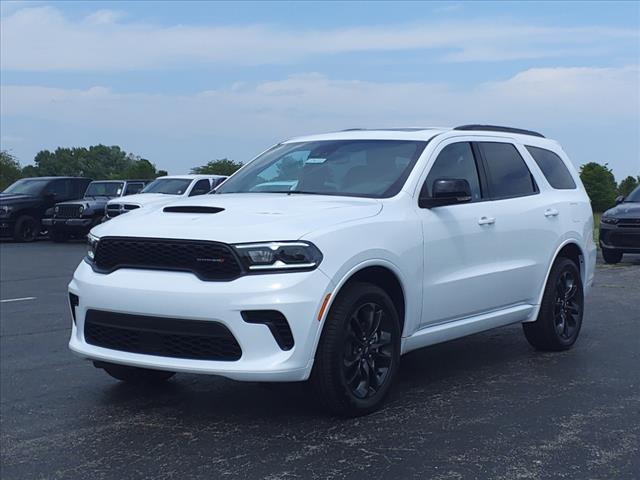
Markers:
170,186
104,189
361,168
633,196
27,186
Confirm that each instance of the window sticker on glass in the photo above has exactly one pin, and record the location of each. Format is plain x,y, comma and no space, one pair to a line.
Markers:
316,160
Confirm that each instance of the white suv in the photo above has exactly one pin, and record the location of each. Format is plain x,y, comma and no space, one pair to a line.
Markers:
163,190
378,242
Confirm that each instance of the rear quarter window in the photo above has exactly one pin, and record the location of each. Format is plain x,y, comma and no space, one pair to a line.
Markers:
553,168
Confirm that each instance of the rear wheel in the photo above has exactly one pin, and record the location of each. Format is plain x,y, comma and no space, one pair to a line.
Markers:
560,317
359,351
611,256
134,375
27,229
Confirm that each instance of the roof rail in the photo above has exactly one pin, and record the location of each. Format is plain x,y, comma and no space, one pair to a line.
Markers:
498,128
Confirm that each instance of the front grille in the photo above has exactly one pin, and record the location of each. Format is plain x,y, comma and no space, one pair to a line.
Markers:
622,240
629,222
67,211
164,337
115,209
207,260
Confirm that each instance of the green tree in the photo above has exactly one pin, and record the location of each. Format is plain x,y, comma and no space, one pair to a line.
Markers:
9,169
627,185
97,161
222,166
600,184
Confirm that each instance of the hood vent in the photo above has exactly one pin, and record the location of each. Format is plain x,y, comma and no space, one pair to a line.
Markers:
192,209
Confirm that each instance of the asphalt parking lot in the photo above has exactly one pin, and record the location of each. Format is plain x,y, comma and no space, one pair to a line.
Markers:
487,406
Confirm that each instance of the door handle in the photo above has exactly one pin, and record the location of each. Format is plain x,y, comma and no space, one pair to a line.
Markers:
551,212
486,221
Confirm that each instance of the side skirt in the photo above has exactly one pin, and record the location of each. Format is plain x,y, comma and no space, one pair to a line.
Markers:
430,335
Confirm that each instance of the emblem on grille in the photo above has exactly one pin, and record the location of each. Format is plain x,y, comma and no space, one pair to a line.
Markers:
210,260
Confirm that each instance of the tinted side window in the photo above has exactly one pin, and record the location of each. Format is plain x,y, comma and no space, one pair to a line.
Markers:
455,161
62,189
133,188
201,187
507,173
554,169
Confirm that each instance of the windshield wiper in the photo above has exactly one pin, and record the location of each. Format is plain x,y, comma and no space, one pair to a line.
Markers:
290,192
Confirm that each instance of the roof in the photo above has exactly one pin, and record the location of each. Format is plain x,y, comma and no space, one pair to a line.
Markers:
55,177
419,133
192,176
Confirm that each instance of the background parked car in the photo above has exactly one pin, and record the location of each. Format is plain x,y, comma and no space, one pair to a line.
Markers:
23,204
77,217
164,190
620,228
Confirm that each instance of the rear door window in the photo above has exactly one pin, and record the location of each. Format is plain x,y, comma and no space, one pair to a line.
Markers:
553,168
133,188
507,173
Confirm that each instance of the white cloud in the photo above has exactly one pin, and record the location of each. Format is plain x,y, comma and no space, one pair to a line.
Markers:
571,104
42,39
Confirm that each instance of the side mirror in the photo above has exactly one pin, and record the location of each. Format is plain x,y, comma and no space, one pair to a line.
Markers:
619,199
447,191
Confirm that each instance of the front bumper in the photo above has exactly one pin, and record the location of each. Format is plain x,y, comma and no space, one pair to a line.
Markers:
181,295
620,238
68,224
6,227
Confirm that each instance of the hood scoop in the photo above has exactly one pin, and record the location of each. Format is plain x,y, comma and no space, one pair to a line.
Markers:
192,209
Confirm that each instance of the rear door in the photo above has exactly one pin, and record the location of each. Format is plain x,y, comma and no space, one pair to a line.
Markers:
527,222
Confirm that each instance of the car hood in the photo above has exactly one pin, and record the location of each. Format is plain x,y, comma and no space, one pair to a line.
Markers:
248,217
143,199
10,199
624,210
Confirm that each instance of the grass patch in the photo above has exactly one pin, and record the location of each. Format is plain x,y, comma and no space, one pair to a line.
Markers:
596,226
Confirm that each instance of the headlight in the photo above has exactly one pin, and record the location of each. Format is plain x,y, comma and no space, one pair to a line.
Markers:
609,220
92,246
56,209
81,209
272,256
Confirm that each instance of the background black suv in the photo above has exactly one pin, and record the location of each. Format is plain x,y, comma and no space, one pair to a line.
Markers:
77,217
620,228
23,203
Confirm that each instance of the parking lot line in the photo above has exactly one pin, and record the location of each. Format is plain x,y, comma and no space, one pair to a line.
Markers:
17,299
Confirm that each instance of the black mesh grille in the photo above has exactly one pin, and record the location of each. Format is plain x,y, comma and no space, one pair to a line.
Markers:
276,322
67,211
165,337
624,240
207,260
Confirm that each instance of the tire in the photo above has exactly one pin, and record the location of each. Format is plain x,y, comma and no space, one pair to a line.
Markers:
134,375
560,318
27,229
59,236
341,373
611,256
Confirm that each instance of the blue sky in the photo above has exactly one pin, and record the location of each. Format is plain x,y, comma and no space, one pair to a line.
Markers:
184,83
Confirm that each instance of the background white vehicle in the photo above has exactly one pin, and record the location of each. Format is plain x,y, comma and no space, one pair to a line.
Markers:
164,190
385,242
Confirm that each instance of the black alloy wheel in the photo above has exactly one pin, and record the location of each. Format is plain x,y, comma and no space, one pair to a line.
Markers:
27,229
368,350
359,351
560,317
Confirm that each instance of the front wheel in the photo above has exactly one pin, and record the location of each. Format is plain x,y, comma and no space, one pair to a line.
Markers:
611,256
27,229
134,375
359,351
560,317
